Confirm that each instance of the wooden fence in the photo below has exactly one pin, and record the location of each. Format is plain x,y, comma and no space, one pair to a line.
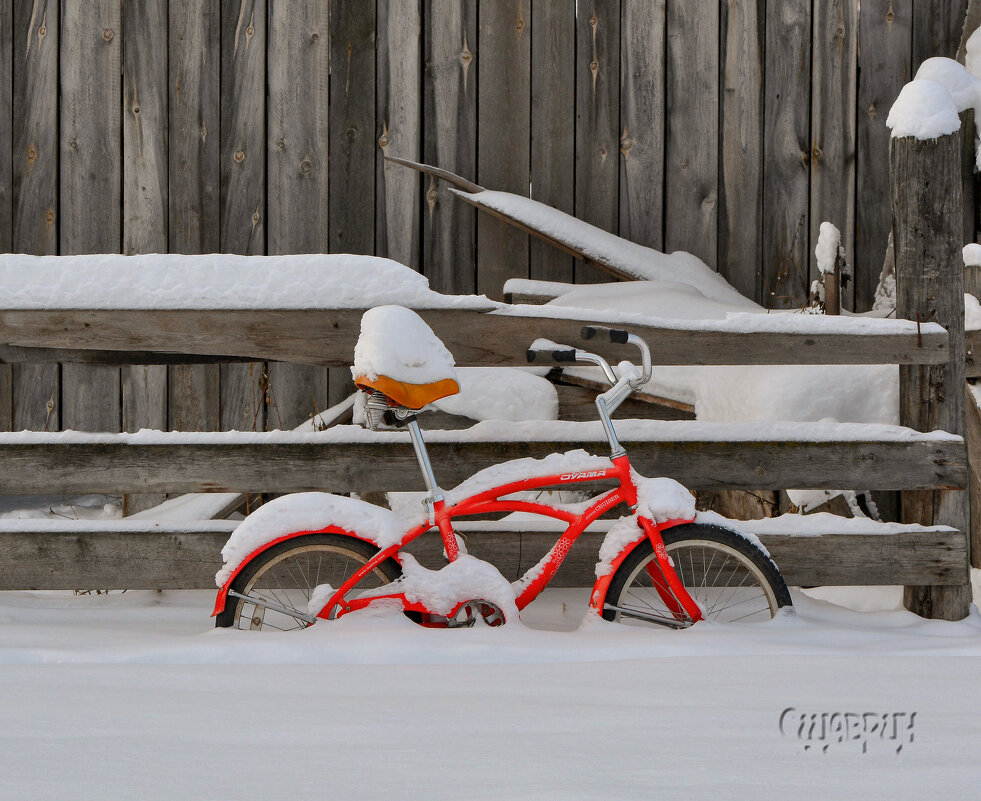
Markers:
730,129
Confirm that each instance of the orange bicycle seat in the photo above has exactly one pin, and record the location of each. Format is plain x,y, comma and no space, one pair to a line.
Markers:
411,396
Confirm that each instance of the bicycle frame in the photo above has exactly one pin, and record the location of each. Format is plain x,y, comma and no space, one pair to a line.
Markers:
537,578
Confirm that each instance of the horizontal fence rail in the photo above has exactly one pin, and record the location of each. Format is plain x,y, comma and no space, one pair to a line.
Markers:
327,337
83,554
380,463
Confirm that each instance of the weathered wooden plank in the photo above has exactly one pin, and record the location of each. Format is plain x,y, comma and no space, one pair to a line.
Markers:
972,358
188,557
90,174
243,143
242,397
398,125
194,67
297,127
326,337
144,405
145,167
504,123
642,114
692,145
270,466
35,127
351,124
6,124
449,237
193,398
306,44
937,28
145,193
742,38
926,192
833,100
786,153
885,50
35,185
597,118
553,126
973,436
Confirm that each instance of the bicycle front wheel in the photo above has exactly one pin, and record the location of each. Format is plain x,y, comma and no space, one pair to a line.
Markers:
286,575
730,578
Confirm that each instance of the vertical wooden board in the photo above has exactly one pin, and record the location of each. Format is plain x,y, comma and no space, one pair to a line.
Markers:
297,91
6,123
597,120
243,168
833,100
504,126
243,143
144,405
692,146
449,236
398,125
937,28
36,388
35,127
742,35
352,128
6,180
145,126
145,189
786,155
242,393
192,403
642,122
885,51
553,127
194,67
296,392
90,171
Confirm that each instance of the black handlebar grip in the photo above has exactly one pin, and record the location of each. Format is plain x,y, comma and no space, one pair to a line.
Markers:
618,336
556,355
587,332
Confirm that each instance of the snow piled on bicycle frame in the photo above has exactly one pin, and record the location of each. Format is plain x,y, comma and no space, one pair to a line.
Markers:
660,500
218,281
308,511
396,342
464,579
576,461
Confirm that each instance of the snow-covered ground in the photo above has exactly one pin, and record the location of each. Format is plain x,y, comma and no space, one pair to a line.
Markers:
135,695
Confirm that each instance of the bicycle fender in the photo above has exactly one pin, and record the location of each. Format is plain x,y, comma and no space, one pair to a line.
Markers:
222,598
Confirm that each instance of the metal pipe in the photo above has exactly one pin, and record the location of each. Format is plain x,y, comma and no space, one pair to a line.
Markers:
422,455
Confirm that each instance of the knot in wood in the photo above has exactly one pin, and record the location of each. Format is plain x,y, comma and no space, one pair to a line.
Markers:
107,34
625,145
593,21
593,66
760,470
250,31
466,56
42,31
816,152
136,109
315,36
255,218
840,31
239,156
520,26
872,111
49,217
383,140
351,133
890,15
305,166
31,155
431,195
603,152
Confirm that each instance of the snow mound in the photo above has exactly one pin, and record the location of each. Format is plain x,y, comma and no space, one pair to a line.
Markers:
502,393
396,342
308,511
464,579
828,247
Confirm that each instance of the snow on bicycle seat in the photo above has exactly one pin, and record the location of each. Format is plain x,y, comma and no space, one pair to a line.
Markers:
400,356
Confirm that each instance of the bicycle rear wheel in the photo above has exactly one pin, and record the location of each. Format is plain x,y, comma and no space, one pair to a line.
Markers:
730,578
287,573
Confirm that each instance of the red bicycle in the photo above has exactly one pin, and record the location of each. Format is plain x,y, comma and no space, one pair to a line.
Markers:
315,556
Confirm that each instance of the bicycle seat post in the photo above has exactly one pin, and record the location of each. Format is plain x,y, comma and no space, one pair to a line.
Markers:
434,494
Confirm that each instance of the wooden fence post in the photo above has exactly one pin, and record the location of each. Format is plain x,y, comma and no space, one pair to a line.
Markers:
927,196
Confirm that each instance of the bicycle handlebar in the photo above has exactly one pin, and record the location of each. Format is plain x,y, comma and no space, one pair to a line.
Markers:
616,335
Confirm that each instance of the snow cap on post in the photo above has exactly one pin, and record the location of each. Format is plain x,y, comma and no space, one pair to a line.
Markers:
924,110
